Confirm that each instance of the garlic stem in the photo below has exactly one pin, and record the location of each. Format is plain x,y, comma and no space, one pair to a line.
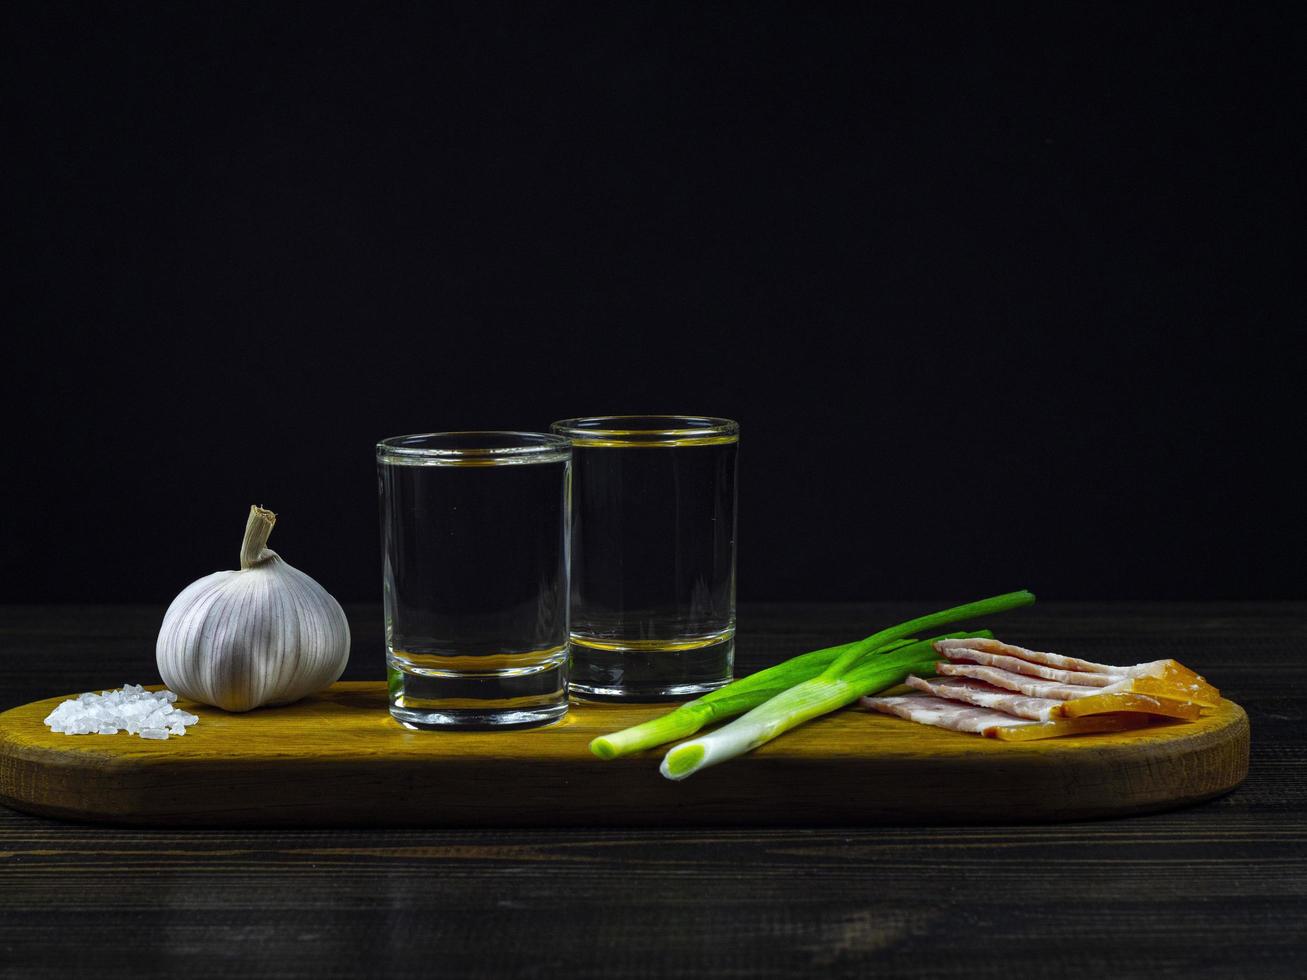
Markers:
257,530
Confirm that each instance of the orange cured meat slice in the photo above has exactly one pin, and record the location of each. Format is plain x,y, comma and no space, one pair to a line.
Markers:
1118,722
1151,704
1167,679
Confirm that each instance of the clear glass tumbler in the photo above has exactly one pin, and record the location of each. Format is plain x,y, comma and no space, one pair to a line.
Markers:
653,555
474,532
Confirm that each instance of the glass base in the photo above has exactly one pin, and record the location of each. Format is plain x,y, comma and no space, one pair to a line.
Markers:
651,670
475,720
433,699
682,692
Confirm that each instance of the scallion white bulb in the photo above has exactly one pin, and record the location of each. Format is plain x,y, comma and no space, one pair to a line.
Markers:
263,634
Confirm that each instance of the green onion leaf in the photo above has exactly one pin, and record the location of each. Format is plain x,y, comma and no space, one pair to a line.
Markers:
970,610
726,702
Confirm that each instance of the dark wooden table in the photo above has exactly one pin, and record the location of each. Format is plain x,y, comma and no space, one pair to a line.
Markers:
1217,890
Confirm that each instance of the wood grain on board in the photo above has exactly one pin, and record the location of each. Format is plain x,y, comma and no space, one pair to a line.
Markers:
339,759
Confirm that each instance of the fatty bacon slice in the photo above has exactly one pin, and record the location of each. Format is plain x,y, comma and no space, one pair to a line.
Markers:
987,696
1016,665
1033,687
1159,680
947,647
926,709
1001,698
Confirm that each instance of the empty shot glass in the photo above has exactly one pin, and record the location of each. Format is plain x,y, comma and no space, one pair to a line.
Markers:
474,529
653,555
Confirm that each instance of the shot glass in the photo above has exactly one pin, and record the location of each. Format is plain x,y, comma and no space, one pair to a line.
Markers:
474,532
653,555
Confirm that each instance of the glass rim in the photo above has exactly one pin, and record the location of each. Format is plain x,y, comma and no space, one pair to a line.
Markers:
648,430
423,449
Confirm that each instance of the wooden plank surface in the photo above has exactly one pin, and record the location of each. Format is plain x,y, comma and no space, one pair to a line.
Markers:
1215,890
339,759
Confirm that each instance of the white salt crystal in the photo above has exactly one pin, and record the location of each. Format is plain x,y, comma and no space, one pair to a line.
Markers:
133,709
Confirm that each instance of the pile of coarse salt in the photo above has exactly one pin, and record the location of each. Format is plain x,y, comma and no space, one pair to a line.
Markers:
150,714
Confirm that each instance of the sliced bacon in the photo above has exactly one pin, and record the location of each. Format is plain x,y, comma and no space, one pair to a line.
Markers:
1161,678
1080,677
1012,693
927,709
1021,653
987,696
1071,701
1031,686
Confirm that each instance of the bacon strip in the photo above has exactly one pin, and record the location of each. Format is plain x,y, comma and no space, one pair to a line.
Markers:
1070,701
927,709
987,696
1021,653
1080,677
1030,686
1162,678
1012,693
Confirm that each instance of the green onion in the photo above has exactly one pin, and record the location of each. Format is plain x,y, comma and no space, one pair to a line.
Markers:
756,689
982,607
861,669
816,696
726,702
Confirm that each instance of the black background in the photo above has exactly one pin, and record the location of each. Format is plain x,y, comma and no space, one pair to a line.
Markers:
1002,296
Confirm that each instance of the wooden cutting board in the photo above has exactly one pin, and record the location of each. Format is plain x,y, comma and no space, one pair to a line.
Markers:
339,759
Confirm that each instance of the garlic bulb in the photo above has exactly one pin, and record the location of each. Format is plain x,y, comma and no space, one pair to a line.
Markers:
263,634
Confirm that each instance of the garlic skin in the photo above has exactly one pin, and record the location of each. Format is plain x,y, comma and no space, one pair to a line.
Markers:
264,634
